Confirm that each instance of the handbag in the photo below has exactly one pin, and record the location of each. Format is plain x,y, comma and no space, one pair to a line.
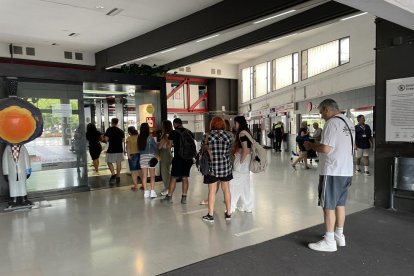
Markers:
153,162
271,135
203,157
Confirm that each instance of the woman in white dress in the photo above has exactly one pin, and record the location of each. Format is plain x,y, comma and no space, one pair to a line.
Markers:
241,192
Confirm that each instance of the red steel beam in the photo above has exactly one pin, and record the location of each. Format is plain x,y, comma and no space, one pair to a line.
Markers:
202,98
178,78
176,89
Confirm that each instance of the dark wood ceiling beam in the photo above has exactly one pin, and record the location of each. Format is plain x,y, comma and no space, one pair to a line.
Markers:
320,14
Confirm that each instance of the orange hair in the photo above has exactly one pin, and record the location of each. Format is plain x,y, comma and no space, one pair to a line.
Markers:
217,123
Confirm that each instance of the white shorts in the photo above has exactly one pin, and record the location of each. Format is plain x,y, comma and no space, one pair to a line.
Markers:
361,152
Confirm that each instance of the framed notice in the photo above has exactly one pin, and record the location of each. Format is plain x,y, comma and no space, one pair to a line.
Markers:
399,125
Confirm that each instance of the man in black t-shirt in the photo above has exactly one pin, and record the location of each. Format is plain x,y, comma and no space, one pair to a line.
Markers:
180,167
115,153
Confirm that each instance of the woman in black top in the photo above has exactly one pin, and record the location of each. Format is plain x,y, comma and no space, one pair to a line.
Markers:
94,137
241,196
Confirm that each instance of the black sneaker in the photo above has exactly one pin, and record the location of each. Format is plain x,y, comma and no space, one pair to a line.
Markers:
118,180
208,218
167,198
227,216
183,199
113,177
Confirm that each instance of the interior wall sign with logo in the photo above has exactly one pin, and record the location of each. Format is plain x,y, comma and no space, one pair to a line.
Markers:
400,110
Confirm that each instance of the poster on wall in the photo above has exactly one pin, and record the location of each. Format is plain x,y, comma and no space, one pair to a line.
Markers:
399,125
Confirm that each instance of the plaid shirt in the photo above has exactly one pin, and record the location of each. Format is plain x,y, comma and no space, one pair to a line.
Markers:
220,143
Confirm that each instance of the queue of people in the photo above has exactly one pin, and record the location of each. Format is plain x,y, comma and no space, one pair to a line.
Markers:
230,154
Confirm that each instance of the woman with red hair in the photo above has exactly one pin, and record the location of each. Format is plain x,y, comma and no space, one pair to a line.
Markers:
219,143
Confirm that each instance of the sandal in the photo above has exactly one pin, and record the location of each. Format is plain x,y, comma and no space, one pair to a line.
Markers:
204,202
134,189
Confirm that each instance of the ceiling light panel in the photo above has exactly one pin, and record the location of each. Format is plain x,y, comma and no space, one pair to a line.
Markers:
283,37
274,16
353,16
206,38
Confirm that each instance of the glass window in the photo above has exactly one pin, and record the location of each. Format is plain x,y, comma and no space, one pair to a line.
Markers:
344,50
260,79
269,79
246,84
323,58
295,67
283,71
304,64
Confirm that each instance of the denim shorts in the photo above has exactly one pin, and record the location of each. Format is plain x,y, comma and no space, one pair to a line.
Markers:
133,162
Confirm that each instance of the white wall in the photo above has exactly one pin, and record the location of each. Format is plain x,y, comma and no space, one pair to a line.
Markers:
204,69
358,73
49,53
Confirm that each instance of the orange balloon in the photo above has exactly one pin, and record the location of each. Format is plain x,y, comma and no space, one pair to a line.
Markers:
16,124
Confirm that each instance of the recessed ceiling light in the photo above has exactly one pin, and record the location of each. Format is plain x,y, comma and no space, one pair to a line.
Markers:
286,36
274,16
353,16
168,50
238,51
206,38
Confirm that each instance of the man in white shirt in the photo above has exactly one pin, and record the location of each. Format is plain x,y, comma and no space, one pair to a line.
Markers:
336,170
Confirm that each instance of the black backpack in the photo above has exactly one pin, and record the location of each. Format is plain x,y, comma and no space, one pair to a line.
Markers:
187,144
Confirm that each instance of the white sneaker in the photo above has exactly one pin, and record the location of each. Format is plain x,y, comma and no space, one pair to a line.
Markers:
340,240
153,194
323,245
146,194
165,192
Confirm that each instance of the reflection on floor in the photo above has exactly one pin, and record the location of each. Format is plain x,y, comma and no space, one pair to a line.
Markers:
117,232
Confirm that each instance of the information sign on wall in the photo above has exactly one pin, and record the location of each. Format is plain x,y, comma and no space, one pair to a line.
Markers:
400,110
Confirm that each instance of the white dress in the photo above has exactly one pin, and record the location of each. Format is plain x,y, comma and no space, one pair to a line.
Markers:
16,171
240,189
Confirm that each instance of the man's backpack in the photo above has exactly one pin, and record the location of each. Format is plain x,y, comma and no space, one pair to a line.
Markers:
258,163
187,145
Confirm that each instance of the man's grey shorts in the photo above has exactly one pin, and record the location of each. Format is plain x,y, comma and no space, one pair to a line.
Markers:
114,157
333,191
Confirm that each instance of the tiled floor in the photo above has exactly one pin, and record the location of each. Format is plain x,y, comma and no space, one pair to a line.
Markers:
117,232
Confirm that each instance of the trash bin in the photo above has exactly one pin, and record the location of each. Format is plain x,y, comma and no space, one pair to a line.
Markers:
403,178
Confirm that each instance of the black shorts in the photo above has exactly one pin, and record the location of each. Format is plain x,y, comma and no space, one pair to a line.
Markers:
181,167
209,179
95,151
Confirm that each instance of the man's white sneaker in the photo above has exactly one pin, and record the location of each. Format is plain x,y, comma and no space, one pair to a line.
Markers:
323,245
153,194
165,192
146,194
340,240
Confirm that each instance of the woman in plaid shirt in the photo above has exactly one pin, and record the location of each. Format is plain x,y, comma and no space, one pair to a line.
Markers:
219,143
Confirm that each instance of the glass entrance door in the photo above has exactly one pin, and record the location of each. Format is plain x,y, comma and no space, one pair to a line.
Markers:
58,157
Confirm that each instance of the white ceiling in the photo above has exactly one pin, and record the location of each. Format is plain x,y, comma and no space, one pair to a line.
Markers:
266,47
193,47
398,11
51,21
